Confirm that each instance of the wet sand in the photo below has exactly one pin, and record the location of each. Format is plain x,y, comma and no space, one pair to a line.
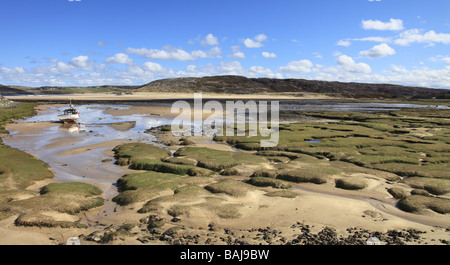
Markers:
87,157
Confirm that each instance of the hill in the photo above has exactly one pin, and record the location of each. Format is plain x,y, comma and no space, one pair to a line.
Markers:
7,90
243,85
230,84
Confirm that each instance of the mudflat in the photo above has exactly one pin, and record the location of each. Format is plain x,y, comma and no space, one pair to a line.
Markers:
149,199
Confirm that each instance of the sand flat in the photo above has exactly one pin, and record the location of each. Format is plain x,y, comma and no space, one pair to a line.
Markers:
170,96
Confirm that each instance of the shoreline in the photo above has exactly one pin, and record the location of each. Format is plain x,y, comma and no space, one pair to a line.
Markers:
159,96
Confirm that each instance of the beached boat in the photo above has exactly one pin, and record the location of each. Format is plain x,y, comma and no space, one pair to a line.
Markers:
70,115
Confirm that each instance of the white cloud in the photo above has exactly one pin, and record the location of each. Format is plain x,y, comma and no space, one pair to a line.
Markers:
393,24
15,70
237,55
256,42
157,69
398,69
263,71
82,62
445,59
374,39
347,64
232,68
302,66
261,37
212,53
166,54
345,43
269,55
210,40
120,58
59,67
175,54
249,43
414,35
348,42
318,55
378,51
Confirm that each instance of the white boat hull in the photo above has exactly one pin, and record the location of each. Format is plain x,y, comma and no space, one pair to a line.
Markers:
68,117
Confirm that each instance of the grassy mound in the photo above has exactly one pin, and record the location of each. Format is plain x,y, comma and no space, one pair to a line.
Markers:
217,160
70,198
230,187
264,173
282,193
301,175
418,203
71,188
19,169
17,111
433,186
397,193
126,154
148,179
351,183
160,166
269,182
39,220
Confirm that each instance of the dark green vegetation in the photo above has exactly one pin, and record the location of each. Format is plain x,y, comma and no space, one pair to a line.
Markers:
19,170
418,203
230,187
351,183
217,160
269,182
10,111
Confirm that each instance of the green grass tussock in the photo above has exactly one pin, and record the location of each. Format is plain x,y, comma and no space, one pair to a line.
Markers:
351,183
432,185
160,166
217,160
230,187
71,188
282,193
302,175
418,203
128,153
269,182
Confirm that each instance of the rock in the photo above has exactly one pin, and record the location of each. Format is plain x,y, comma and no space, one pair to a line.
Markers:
172,231
156,231
176,219
165,238
211,227
95,236
154,221
143,240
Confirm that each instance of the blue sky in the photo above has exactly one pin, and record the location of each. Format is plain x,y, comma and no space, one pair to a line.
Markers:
97,42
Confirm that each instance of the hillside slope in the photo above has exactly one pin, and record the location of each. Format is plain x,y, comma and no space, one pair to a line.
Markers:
6,90
243,85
